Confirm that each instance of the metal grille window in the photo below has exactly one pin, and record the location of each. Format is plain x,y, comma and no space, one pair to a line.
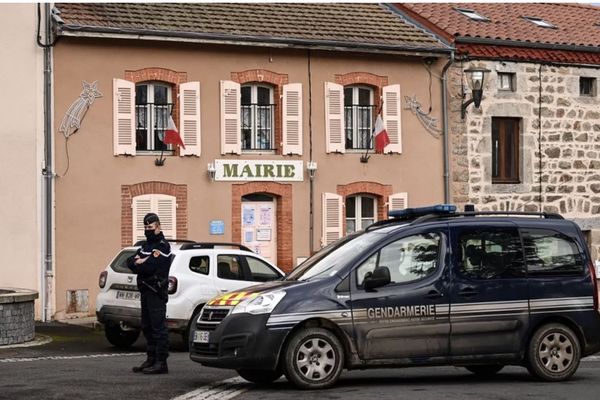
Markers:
358,117
152,109
505,150
257,112
360,212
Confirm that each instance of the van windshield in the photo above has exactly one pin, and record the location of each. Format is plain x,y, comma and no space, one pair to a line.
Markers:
327,261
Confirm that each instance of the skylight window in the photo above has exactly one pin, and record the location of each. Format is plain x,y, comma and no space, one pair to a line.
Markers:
471,14
539,22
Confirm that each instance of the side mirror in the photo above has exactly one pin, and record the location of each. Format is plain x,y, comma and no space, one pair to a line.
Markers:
380,277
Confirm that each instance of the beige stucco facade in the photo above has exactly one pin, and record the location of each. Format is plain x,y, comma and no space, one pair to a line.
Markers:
93,212
21,80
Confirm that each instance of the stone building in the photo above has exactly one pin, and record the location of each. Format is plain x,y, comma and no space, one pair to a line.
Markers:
534,142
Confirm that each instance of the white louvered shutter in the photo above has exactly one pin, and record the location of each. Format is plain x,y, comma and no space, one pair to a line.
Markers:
123,117
398,201
292,119
392,118
332,218
161,204
230,118
334,118
189,118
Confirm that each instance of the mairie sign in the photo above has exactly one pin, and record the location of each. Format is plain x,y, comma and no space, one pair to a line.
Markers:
258,170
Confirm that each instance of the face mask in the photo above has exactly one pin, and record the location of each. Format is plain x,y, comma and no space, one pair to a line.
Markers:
149,234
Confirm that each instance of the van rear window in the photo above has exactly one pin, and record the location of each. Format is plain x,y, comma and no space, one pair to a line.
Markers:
549,252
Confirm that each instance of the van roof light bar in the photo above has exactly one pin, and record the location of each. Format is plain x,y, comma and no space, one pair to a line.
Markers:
415,212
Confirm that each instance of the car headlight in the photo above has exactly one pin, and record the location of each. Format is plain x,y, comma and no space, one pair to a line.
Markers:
262,304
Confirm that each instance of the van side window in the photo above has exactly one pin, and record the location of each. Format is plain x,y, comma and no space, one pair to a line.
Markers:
408,259
491,254
199,264
549,252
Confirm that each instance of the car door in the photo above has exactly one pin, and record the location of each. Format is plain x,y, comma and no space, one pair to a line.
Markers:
409,316
489,306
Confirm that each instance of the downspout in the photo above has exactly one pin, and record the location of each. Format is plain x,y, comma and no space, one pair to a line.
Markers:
311,223
445,128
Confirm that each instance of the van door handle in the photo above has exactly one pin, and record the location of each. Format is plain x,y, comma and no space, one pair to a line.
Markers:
434,294
468,292
224,290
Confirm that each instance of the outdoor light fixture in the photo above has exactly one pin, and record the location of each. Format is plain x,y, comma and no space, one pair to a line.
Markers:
311,167
475,78
212,171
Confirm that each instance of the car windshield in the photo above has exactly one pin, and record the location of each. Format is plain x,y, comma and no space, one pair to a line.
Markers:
327,261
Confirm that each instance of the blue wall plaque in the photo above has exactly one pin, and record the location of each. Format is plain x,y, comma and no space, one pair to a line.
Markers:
217,227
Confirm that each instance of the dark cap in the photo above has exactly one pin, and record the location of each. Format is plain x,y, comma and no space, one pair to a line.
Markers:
151,218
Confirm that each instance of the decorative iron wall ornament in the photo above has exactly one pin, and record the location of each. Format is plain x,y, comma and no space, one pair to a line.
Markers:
428,122
74,115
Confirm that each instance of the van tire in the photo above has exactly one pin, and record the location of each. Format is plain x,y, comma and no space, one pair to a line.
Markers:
313,359
484,370
119,337
260,377
554,353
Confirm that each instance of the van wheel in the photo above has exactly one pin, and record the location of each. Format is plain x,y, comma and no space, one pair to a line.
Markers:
260,377
484,370
554,353
120,338
313,359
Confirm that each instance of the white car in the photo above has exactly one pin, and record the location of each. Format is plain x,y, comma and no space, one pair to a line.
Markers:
199,271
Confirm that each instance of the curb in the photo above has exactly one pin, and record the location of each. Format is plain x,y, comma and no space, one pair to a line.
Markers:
37,341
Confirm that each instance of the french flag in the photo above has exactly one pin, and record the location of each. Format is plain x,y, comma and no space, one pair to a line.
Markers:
172,135
381,136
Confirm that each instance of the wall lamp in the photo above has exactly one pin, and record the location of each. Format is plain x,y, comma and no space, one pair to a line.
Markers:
311,167
475,78
212,171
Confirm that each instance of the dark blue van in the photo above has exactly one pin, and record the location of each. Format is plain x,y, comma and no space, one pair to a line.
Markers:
430,286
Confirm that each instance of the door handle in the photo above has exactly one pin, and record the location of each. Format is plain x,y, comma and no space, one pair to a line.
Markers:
224,290
434,294
467,292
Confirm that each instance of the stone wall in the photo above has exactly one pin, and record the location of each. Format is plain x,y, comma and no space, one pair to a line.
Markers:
16,316
564,125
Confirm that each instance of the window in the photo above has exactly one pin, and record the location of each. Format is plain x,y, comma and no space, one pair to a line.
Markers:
505,150
471,14
360,212
163,205
152,109
260,271
199,264
358,117
119,264
506,81
491,254
587,86
408,259
540,22
257,112
549,252
229,267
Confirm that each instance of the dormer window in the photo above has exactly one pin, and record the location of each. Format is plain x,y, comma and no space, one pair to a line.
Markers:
540,22
471,14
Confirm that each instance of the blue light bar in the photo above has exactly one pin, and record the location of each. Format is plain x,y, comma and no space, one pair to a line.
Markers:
415,212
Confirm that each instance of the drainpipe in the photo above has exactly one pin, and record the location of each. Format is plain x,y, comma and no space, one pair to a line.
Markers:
445,129
311,226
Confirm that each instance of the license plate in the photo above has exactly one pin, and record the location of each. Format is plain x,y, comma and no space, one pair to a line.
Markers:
201,336
128,295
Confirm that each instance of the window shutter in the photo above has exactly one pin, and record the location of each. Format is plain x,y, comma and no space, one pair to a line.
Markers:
189,118
230,118
392,118
292,119
398,201
123,117
161,204
332,218
334,118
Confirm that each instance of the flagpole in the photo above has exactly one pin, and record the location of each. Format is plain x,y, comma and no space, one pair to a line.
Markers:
365,157
159,162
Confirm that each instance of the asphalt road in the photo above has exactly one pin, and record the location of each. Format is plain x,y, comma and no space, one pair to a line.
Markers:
79,363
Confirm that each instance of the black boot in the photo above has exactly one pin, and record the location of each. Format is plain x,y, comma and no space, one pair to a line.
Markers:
148,363
160,367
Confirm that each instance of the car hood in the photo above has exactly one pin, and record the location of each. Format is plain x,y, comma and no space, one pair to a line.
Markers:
234,298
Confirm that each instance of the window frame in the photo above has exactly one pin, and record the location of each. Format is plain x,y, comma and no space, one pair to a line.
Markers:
499,157
358,218
592,86
354,128
150,112
511,81
253,117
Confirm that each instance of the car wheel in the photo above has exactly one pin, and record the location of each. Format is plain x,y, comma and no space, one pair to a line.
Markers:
554,353
313,359
261,377
484,370
119,337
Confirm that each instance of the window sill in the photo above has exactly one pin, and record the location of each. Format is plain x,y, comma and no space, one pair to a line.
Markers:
259,152
154,153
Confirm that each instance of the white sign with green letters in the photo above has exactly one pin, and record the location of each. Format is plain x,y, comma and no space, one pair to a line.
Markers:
258,170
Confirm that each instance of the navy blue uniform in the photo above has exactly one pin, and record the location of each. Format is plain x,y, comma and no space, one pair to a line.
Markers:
152,281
